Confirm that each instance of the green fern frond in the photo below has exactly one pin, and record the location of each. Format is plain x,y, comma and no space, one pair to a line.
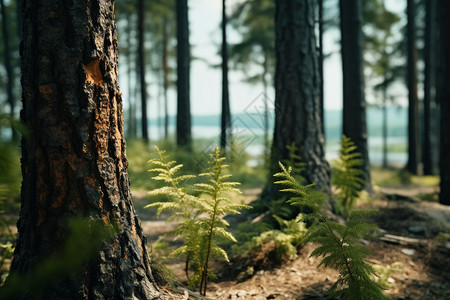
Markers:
347,175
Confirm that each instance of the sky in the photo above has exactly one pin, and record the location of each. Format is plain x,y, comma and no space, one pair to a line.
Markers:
205,17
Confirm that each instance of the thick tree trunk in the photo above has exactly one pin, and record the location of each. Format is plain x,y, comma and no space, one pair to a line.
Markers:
444,93
184,136
73,160
354,104
141,58
225,133
414,164
8,67
297,101
430,160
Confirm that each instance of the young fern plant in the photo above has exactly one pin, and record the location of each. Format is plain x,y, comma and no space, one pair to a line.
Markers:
339,244
185,208
216,205
347,176
200,219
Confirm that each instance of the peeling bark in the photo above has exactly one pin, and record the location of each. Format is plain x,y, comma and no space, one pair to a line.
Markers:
73,161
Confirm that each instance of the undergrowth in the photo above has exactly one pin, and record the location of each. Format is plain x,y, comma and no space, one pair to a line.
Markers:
339,244
200,218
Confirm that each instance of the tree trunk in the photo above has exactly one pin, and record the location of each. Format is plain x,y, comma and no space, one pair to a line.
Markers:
297,100
141,58
184,136
354,103
321,58
444,93
225,133
166,76
266,106
385,128
73,160
430,161
414,146
132,126
8,67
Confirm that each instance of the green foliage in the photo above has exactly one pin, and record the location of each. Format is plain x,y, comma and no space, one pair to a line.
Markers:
200,218
347,175
286,239
339,244
83,242
383,273
7,239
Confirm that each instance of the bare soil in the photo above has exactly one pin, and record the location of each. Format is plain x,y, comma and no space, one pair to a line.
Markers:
414,226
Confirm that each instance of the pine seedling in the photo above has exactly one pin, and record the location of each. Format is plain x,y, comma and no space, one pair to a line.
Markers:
339,244
347,175
216,205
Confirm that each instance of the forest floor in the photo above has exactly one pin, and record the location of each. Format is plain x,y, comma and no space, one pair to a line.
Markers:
408,241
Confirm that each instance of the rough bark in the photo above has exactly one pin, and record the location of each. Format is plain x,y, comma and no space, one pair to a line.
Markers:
354,103
225,133
444,93
297,102
73,160
184,136
8,67
141,59
414,164
430,160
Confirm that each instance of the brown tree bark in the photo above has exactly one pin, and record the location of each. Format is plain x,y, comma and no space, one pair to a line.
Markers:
444,93
184,136
414,164
297,100
73,160
354,103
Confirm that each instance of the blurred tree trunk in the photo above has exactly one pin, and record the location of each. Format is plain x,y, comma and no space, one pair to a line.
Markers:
385,127
354,104
141,58
165,57
132,126
444,93
321,58
8,67
414,146
73,160
266,107
184,136
297,86
225,134
430,161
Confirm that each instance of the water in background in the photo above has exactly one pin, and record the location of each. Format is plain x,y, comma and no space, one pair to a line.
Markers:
248,129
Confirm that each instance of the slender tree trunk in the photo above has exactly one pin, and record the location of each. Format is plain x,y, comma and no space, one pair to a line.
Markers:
132,126
266,105
166,76
322,94
8,67
385,128
73,160
225,134
297,87
414,146
354,103
184,136
444,93
141,58
430,135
